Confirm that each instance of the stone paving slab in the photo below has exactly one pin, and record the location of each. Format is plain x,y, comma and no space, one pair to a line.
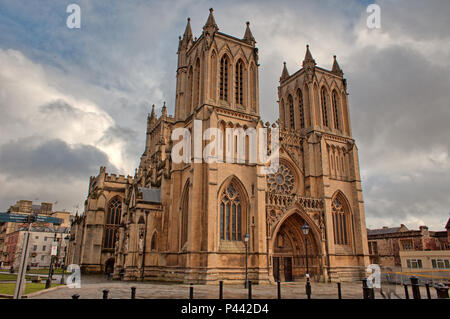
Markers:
291,290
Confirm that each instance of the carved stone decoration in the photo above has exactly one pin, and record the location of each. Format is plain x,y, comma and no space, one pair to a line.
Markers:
282,182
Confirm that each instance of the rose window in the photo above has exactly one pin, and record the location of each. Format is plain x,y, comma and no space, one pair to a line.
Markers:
282,181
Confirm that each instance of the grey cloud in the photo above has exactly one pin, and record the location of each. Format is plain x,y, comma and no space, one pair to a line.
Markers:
29,158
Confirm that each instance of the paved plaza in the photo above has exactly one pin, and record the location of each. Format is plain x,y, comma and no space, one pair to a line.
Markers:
92,288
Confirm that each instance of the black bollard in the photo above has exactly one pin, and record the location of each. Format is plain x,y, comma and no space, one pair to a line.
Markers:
221,289
427,286
133,292
406,291
415,287
367,292
279,289
191,291
76,296
105,294
339,290
249,289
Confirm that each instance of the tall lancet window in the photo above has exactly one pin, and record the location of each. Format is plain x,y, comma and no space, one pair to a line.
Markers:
239,83
340,224
197,84
335,111
112,222
224,78
184,215
231,214
301,109
324,107
291,111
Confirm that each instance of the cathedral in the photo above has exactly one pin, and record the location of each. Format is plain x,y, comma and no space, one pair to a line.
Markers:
201,222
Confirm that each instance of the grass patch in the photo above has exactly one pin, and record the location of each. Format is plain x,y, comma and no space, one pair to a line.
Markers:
13,277
8,289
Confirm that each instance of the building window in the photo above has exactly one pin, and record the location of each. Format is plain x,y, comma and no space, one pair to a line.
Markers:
440,263
239,83
185,215
414,263
301,109
339,222
224,78
197,84
34,247
231,213
112,222
335,111
43,248
324,107
406,244
42,257
291,111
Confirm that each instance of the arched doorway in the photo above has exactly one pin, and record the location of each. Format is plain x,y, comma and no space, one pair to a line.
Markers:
289,253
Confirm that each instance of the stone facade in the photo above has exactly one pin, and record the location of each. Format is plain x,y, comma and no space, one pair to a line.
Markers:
187,222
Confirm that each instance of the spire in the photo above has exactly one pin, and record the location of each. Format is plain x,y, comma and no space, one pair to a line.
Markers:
336,68
164,110
187,37
308,61
285,73
210,25
248,36
152,115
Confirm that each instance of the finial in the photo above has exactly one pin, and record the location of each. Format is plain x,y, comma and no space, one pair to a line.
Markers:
248,22
189,19
211,10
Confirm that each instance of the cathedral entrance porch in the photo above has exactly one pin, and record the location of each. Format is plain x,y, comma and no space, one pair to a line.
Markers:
289,253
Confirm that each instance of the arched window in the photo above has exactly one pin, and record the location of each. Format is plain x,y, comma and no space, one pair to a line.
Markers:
282,113
112,222
224,78
253,86
184,215
335,111
153,243
189,91
197,84
324,107
301,109
231,214
213,76
239,83
340,223
291,112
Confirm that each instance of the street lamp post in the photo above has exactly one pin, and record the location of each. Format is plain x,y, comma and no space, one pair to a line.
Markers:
64,263
305,229
246,239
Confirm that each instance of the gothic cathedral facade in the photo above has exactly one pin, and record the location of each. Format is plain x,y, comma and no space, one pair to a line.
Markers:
200,222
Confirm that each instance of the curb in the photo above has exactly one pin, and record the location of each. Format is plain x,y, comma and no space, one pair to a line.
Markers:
37,293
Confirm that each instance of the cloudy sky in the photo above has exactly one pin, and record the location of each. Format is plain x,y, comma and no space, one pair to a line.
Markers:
74,99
